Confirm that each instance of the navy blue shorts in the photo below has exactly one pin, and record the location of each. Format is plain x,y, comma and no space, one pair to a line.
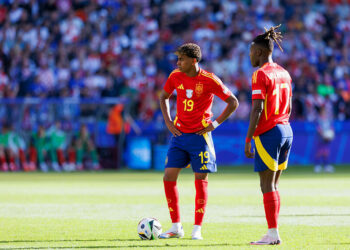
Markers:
272,148
197,150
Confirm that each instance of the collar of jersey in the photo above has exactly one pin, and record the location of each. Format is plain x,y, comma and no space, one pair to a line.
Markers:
267,64
199,73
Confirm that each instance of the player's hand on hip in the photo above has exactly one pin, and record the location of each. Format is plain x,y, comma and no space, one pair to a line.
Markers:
247,150
206,130
173,129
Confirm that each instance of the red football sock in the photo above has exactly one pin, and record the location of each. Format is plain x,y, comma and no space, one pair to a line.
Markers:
2,159
271,209
22,156
71,156
60,156
201,200
33,154
172,197
279,202
11,159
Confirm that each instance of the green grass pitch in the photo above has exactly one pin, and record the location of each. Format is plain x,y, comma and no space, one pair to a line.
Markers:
101,210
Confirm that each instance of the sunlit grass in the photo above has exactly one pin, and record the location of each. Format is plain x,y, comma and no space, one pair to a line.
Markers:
101,210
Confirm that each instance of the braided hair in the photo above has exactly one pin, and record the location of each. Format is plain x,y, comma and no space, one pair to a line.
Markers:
268,38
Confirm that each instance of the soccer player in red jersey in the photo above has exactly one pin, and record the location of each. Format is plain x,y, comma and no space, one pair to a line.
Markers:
191,141
269,126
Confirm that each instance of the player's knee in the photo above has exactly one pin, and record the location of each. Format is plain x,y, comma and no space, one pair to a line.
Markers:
266,187
201,176
169,176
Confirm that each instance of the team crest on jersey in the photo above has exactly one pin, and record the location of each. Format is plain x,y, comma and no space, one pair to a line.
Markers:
199,89
189,93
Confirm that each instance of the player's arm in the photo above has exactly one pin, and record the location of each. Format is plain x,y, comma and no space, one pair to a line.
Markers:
232,105
258,106
290,106
164,106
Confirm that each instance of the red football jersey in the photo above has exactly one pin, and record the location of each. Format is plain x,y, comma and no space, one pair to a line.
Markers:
195,98
273,84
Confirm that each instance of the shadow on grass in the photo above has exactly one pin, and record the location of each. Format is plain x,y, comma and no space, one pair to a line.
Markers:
131,246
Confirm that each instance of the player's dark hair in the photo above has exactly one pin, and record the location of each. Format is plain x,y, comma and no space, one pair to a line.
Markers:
268,38
191,50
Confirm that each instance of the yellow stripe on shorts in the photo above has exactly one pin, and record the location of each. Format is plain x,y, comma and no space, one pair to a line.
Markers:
210,144
266,158
283,165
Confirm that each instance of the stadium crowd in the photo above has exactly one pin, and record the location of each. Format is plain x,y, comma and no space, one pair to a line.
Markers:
105,48
124,48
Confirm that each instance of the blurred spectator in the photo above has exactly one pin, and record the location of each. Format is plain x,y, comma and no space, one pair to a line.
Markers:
325,133
58,145
40,149
8,149
85,147
17,151
94,49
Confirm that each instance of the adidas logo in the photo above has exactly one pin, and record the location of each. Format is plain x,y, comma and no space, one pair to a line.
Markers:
204,167
181,86
201,211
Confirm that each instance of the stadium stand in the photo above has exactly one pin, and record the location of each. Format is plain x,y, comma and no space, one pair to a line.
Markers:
103,48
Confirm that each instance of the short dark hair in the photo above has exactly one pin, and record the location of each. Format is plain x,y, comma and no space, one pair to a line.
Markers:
268,38
191,50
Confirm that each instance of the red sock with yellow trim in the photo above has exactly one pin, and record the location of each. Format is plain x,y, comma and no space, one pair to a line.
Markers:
271,208
172,197
201,200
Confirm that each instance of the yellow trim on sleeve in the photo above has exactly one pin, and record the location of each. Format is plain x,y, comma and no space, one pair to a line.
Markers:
174,71
265,157
209,143
254,78
215,80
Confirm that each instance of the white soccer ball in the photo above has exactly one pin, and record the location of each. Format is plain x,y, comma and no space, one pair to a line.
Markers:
149,229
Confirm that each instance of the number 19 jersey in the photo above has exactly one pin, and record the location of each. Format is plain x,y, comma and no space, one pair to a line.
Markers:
272,83
195,98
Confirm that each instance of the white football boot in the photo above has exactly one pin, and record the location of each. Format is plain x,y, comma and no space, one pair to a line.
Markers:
329,169
43,167
55,167
318,169
197,233
268,240
176,231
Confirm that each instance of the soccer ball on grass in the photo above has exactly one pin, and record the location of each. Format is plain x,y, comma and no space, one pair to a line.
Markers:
149,229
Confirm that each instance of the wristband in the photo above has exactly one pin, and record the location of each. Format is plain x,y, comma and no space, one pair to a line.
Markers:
215,124
248,140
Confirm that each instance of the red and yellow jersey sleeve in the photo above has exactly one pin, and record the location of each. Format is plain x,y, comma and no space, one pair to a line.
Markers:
169,86
259,83
219,89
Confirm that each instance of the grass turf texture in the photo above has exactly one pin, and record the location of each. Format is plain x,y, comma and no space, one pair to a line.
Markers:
101,210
